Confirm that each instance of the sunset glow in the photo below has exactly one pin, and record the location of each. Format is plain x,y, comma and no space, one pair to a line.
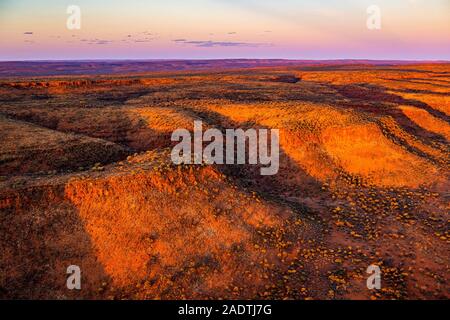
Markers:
198,29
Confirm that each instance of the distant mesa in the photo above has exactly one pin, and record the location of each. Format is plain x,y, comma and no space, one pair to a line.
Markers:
286,78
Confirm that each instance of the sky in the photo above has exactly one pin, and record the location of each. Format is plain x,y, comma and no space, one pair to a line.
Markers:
215,29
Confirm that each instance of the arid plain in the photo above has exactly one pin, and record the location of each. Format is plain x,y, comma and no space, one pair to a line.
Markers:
87,180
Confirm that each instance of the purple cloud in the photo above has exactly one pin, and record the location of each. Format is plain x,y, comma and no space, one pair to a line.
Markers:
97,41
210,44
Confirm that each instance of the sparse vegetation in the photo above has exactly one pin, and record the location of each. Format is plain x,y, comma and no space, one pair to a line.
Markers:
86,179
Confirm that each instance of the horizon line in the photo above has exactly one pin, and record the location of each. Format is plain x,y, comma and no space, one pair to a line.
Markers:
222,59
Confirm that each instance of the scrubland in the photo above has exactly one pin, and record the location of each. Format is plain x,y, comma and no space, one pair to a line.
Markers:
86,179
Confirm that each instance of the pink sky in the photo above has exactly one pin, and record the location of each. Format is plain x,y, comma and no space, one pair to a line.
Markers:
136,29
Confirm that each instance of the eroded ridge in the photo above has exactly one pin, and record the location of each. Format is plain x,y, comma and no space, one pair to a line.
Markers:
87,179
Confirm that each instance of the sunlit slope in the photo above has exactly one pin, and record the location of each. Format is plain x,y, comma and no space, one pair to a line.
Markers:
146,228
324,140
